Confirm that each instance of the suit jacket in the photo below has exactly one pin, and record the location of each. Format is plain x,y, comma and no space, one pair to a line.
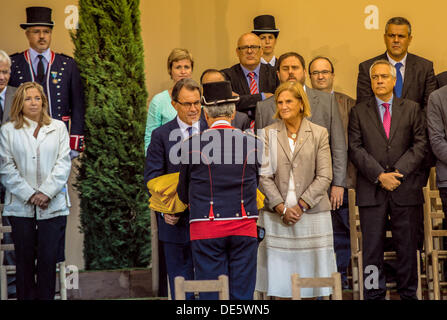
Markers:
324,113
419,79
241,121
225,177
310,165
10,91
437,131
268,81
441,79
64,90
345,104
372,153
159,162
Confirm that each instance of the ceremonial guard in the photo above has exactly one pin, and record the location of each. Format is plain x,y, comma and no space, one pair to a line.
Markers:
219,179
57,73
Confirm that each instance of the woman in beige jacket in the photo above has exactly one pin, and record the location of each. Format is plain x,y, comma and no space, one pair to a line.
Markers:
295,177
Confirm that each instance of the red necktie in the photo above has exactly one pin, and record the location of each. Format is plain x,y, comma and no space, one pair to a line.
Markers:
253,85
387,119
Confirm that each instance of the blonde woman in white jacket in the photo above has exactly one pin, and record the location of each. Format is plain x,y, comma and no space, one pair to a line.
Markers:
34,168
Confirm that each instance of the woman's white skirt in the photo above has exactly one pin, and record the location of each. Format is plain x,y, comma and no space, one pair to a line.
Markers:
306,248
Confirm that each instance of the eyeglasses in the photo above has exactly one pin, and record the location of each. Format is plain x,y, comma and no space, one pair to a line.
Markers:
246,48
324,73
190,104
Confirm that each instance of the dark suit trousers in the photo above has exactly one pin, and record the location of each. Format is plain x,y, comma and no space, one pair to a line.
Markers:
404,230
234,256
37,240
178,263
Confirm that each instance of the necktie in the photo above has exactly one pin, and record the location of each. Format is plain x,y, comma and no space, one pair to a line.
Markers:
399,82
1,110
387,119
189,129
253,85
40,69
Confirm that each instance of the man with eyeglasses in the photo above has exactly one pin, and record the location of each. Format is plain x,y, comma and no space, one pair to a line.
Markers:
251,79
173,230
387,144
322,76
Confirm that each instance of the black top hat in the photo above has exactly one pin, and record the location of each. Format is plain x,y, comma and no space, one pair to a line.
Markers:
216,93
265,24
38,16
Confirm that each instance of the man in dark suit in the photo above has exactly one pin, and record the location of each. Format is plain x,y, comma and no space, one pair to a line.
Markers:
57,73
415,76
415,80
387,144
163,157
218,179
6,97
241,120
441,79
322,74
251,79
291,67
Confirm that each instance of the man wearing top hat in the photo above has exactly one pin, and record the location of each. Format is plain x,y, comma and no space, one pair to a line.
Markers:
265,28
219,179
57,73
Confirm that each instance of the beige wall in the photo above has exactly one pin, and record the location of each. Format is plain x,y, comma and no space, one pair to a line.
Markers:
210,28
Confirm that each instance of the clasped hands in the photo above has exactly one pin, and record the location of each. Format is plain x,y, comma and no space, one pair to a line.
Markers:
389,180
39,199
292,214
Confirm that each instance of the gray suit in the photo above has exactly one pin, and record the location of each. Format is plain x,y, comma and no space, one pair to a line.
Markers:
10,257
8,102
325,113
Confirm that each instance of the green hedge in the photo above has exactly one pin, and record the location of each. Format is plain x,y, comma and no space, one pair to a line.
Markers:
115,219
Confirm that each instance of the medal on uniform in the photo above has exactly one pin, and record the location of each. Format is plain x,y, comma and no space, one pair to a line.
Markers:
54,76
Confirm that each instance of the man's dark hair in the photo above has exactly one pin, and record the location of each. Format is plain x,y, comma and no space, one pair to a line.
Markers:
290,54
187,83
321,57
212,71
398,21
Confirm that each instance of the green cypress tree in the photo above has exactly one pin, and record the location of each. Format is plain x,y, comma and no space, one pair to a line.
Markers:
115,218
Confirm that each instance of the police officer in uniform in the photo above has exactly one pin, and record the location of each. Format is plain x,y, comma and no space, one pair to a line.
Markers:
57,73
218,179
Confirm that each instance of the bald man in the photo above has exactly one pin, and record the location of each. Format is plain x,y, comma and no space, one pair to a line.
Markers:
241,120
249,78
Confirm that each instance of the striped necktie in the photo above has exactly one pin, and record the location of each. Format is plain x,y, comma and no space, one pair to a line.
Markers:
387,119
253,85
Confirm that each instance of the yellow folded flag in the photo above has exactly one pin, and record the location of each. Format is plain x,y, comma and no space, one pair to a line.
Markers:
164,197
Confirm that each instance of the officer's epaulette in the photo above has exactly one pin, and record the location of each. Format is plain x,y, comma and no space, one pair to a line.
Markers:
65,56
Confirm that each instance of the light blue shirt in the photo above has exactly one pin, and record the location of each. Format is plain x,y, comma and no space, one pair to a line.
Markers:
184,127
382,108
3,98
256,72
35,60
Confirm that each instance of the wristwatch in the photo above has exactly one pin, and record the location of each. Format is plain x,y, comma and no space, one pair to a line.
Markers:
301,207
